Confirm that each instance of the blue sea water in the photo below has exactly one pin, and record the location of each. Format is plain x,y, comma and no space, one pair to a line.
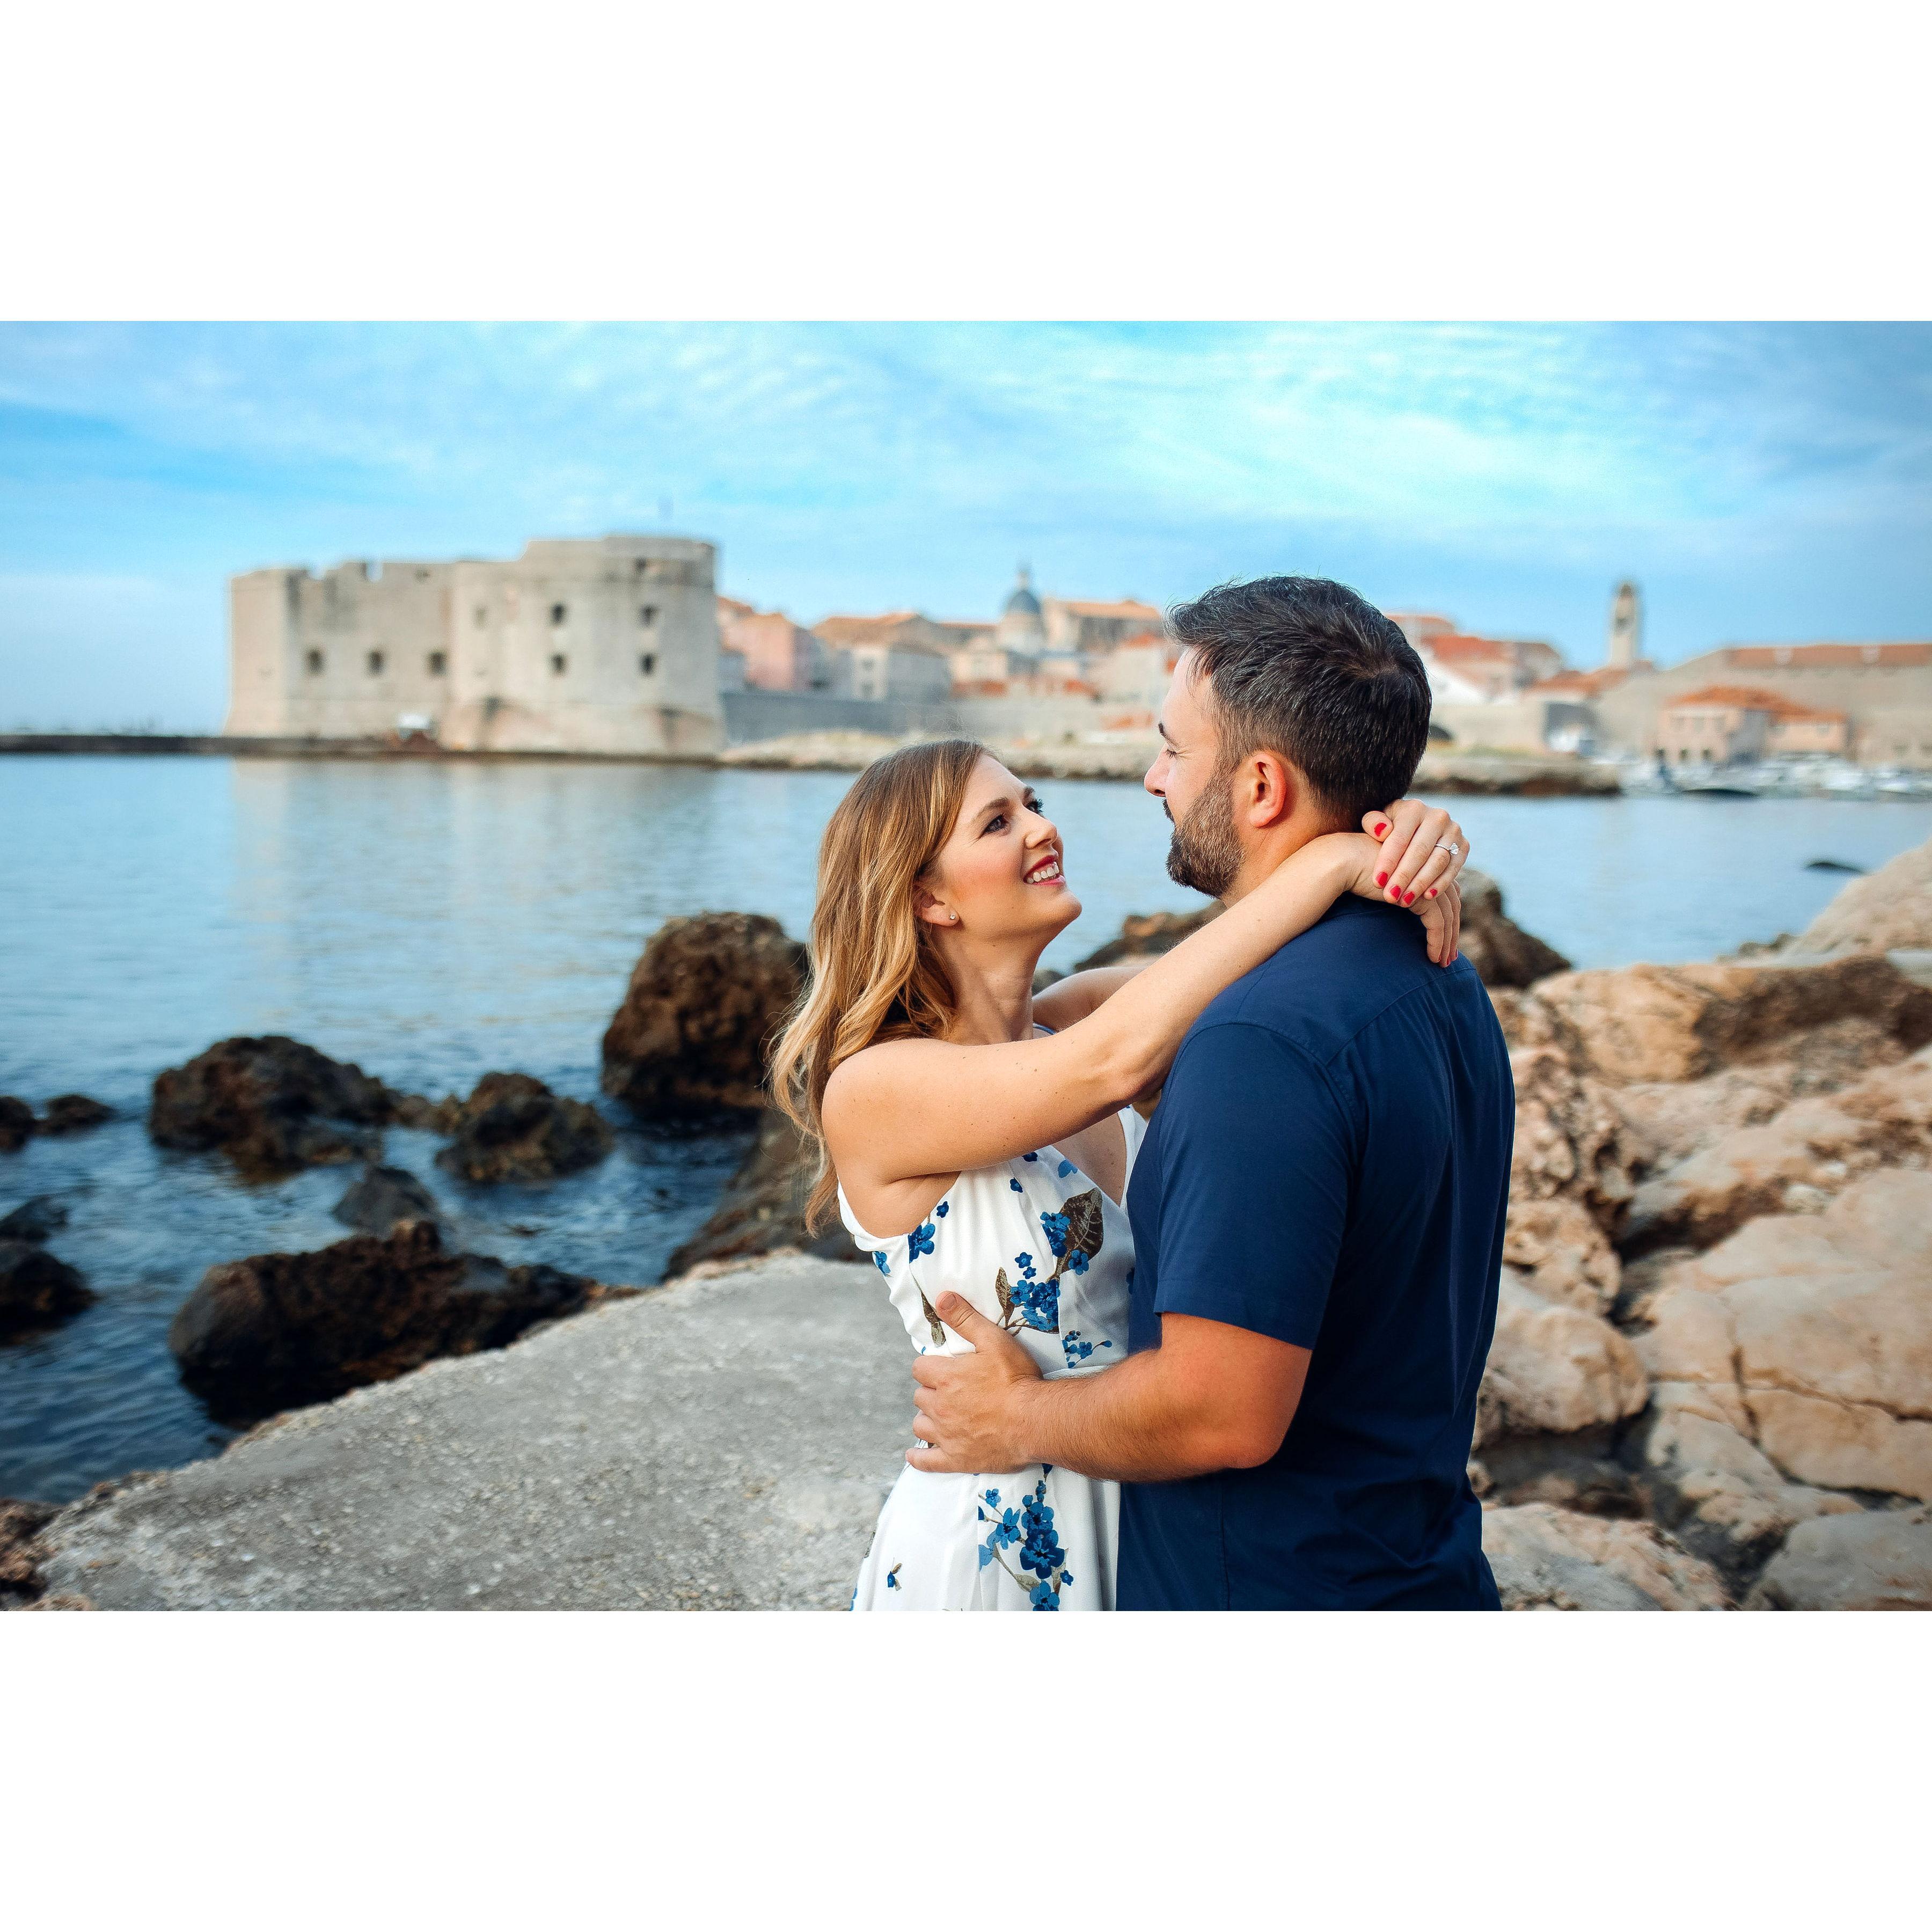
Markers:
434,921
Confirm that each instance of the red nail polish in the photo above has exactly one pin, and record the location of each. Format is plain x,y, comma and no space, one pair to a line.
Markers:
1381,878
1430,894
1380,830
1408,898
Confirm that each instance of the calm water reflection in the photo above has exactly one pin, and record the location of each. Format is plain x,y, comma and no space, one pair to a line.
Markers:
434,921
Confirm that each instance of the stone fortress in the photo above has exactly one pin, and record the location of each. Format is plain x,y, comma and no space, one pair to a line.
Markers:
605,645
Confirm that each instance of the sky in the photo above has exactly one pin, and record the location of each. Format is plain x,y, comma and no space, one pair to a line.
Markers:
1762,482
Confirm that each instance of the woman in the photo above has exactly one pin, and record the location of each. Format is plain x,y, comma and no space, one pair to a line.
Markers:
978,1139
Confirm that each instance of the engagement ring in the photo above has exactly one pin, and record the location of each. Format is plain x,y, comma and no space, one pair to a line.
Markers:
1451,848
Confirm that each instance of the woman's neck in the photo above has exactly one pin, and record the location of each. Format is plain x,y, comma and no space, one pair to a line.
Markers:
992,992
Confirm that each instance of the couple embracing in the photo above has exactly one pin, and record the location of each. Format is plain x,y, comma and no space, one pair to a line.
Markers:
1225,1356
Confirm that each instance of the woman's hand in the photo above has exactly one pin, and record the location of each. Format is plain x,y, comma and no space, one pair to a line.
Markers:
1423,850
1442,922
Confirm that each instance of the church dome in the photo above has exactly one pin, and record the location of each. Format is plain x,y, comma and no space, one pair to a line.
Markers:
1022,603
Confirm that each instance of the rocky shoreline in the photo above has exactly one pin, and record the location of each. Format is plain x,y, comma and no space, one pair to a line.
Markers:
1711,1386
1554,776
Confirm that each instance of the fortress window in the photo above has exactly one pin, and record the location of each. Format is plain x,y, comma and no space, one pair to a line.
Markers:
648,663
558,664
647,615
643,566
437,663
558,612
482,615
375,664
315,664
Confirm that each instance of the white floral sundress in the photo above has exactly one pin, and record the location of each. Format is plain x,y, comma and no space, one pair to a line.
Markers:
1035,1245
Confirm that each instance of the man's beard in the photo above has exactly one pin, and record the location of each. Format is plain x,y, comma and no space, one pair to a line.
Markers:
1205,854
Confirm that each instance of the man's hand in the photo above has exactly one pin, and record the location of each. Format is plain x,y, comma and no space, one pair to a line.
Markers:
969,1406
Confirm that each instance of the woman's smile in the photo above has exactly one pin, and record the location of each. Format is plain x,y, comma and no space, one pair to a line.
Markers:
1044,872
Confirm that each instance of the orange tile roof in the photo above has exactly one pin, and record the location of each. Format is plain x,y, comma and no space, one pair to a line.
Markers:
1455,648
1588,683
1823,657
1747,697
850,630
1127,607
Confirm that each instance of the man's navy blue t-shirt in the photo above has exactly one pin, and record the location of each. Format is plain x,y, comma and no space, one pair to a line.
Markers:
1329,1164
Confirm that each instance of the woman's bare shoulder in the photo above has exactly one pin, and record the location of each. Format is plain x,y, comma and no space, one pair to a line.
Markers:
875,1071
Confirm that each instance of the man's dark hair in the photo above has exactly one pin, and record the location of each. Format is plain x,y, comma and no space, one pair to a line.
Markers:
1306,667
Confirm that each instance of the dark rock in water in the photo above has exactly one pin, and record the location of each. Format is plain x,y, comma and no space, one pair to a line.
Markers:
34,1220
1499,949
22,1552
279,1331
1143,934
16,1123
692,1036
1044,976
415,1110
384,1196
36,1289
763,1207
273,1104
1834,865
72,1114
513,1128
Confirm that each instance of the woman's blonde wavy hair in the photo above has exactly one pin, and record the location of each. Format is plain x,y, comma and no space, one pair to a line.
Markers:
874,975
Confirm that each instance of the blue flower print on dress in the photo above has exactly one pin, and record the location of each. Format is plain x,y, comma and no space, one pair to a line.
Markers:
1006,1531
1029,1156
1075,1350
1065,1169
940,1209
920,1242
1040,1553
1074,1235
892,1576
880,1261
1015,1186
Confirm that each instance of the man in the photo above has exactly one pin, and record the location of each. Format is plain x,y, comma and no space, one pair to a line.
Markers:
1317,1207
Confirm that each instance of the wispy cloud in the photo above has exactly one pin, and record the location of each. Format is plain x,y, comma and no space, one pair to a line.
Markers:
1773,481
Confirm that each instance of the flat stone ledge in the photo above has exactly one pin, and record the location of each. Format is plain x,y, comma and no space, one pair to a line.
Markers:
722,1443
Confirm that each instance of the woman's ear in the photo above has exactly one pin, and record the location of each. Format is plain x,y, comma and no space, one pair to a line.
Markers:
926,908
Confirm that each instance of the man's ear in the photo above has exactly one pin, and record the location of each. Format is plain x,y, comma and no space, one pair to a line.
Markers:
1273,786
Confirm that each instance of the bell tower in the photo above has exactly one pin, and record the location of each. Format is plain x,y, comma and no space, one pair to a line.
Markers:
1626,640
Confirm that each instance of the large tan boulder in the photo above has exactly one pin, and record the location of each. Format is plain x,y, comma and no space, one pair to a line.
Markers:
704,1001
1810,1335
1553,1370
1561,1252
1878,1561
1679,1118
1708,1483
1678,1023
1806,1153
1545,1558
1892,908
1570,1138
